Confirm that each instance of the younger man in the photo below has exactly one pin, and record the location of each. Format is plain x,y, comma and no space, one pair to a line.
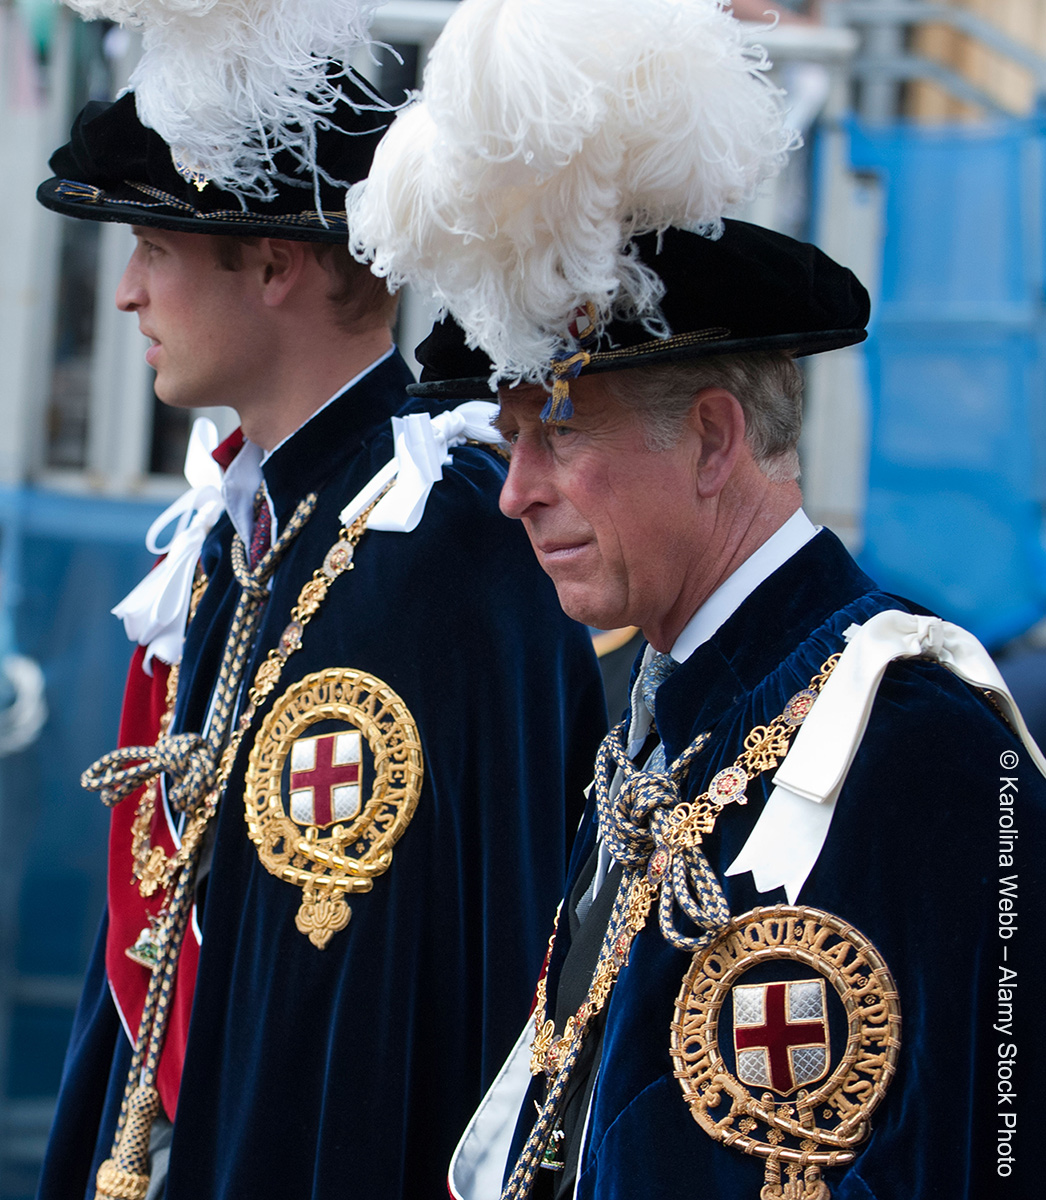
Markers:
364,723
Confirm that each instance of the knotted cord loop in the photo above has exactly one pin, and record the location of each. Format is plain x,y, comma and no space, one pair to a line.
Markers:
640,823
192,760
657,837
185,756
255,584
635,826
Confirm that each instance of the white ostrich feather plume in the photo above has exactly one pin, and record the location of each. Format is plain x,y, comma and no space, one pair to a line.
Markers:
228,83
549,132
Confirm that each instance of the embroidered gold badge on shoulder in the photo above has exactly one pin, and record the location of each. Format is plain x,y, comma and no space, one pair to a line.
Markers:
754,1010
308,807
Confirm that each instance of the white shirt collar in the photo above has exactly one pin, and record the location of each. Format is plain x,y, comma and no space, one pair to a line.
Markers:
728,597
240,483
719,607
243,476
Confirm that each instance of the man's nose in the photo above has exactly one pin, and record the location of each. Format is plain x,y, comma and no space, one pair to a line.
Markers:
130,291
527,483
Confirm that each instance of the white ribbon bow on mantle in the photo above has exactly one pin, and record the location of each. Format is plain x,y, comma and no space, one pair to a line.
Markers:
784,845
423,445
154,613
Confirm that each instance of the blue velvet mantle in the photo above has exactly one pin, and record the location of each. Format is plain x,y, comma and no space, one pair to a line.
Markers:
350,1071
912,860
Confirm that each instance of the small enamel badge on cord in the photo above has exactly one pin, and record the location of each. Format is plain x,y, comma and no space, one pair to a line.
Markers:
187,170
559,407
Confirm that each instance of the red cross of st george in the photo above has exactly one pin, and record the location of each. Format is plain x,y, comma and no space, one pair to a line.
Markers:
323,778
777,1035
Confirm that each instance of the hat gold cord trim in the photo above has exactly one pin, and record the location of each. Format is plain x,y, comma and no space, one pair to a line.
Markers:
715,333
73,190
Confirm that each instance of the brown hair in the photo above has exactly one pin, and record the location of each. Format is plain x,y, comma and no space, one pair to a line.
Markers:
357,296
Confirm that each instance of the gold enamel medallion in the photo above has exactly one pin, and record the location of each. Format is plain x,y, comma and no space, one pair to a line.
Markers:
763,992
316,820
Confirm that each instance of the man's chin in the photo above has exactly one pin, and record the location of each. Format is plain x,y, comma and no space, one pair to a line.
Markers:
173,398
582,606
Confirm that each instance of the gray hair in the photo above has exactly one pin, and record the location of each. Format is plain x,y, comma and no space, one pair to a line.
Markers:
768,385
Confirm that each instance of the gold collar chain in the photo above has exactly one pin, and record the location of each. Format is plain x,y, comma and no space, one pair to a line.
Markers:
691,821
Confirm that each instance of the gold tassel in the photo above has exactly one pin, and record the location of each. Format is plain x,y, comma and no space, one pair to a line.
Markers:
126,1176
559,406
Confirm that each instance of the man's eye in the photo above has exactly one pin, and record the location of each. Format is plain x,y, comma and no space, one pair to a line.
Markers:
559,429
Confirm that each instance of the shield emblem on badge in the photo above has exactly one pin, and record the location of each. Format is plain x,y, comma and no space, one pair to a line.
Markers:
781,1034
325,778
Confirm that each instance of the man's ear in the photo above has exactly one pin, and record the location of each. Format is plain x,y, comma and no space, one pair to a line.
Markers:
717,418
282,263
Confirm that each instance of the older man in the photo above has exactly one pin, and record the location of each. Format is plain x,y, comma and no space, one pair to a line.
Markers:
339,822
722,1008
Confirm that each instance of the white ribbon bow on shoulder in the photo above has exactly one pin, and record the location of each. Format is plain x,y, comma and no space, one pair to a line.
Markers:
787,839
423,445
155,612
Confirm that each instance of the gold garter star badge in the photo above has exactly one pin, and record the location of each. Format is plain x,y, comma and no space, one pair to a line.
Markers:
756,1011
332,782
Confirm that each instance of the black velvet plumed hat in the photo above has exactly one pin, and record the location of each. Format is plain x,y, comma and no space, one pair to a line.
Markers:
114,168
751,289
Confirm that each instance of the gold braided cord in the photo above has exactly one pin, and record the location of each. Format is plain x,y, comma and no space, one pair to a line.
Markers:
149,862
120,1177
122,1173
658,840
716,333
631,906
